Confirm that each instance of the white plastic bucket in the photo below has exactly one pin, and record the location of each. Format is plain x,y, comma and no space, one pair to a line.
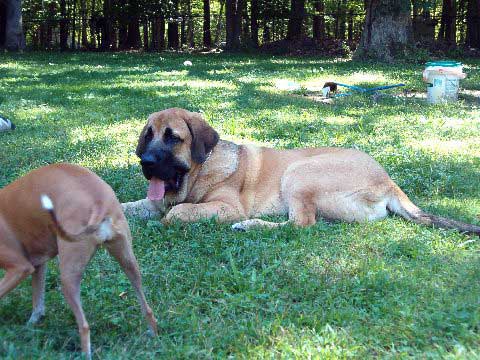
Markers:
442,78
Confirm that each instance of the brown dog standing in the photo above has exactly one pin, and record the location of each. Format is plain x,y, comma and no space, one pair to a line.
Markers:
67,210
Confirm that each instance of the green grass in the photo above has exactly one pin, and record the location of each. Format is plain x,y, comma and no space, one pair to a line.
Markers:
386,289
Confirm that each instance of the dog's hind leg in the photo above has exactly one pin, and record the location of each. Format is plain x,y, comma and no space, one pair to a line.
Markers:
74,257
38,293
302,212
302,209
120,247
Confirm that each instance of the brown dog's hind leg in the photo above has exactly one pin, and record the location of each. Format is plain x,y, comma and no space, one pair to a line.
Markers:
18,268
120,247
74,257
302,210
38,293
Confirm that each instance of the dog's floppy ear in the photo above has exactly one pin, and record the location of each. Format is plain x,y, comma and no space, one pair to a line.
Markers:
142,144
204,137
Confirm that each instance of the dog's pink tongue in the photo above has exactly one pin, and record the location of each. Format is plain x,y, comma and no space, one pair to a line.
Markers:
156,189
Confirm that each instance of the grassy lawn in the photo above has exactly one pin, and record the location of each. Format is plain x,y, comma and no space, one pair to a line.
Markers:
333,290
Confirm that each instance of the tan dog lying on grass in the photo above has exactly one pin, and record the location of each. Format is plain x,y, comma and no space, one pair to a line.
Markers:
66,210
199,176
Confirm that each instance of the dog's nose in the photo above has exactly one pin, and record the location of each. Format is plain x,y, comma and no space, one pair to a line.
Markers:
147,160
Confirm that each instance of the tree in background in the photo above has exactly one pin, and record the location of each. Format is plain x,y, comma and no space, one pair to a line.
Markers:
387,30
295,22
319,21
233,21
473,24
14,39
313,26
207,36
448,29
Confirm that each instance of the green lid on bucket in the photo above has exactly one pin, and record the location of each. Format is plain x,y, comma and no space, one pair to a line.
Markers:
445,63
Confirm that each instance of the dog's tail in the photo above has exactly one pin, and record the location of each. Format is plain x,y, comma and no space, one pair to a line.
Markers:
47,204
401,205
103,230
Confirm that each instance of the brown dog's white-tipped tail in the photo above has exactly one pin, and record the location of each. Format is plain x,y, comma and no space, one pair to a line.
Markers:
401,205
47,204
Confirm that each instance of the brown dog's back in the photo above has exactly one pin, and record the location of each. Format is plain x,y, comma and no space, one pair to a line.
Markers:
80,197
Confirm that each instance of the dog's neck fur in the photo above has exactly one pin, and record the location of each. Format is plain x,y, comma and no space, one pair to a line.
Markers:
220,164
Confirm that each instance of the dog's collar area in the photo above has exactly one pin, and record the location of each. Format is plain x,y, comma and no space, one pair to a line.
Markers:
208,156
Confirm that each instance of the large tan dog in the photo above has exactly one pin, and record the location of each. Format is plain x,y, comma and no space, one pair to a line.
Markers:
201,176
68,210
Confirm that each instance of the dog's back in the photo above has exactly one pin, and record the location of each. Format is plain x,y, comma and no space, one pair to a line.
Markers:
81,200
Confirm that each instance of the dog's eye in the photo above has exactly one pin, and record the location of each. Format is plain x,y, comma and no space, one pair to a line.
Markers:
149,135
170,137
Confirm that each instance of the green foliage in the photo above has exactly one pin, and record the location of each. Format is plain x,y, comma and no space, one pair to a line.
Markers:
388,289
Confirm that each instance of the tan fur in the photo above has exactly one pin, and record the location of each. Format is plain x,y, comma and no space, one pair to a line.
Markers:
86,214
240,182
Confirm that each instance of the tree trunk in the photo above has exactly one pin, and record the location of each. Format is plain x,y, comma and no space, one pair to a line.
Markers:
133,35
448,30
183,33
73,40
106,25
219,22
161,32
295,21
190,26
319,21
14,37
172,32
207,36
173,35
342,20
191,32
387,30
245,24
83,10
266,32
155,31
451,27
145,34
92,24
50,24
233,15
122,35
254,22
3,23
473,24
461,12
350,25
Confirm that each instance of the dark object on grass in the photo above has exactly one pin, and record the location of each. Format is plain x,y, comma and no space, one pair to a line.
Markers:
332,85
6,124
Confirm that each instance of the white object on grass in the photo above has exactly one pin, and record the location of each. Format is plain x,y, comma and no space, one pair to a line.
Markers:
187,63
287,85
442,78
6,124
326,91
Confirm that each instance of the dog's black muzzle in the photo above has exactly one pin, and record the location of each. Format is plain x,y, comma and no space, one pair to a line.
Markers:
162,164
